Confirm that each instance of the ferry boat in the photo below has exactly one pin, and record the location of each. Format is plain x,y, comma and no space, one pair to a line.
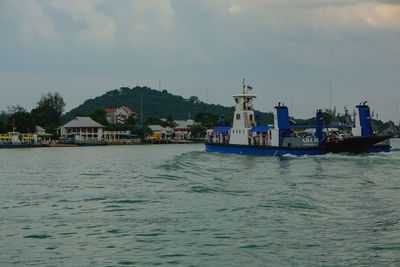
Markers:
246,136
16,140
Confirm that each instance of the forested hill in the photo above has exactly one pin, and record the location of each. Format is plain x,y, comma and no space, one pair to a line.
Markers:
158,104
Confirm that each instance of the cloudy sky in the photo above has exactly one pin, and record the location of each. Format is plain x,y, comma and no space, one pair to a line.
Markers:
288,50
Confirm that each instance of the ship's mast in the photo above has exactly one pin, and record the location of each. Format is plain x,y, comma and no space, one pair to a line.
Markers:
141,111
244,86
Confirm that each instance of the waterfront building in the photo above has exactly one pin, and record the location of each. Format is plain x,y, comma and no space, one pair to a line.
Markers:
118,115
162,133
118,137
40,132
182,131
83,128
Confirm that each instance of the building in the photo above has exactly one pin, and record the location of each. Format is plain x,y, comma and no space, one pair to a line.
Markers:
40,132
83,128
120,137
159,132
182,131
118,115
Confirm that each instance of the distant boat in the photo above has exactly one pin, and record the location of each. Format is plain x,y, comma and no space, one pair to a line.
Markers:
16,140
82,141
246,136
90,142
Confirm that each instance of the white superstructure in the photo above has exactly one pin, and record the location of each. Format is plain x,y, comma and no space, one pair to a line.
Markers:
243,119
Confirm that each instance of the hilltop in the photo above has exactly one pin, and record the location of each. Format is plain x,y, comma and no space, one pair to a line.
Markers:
157,104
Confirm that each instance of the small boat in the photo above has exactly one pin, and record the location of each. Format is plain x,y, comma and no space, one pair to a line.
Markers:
246,136
16,140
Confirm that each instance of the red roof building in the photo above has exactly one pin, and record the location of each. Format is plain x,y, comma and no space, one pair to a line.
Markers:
118,115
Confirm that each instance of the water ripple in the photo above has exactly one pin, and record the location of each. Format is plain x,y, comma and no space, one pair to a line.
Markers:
178,205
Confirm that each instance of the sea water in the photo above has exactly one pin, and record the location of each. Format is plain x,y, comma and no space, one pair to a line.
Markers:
179,205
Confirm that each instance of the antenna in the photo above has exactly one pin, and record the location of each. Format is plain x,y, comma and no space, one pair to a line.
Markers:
207,100
141,110
346,114
330,96
12,111
291,107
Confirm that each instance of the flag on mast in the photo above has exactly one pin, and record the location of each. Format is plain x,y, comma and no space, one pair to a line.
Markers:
249,88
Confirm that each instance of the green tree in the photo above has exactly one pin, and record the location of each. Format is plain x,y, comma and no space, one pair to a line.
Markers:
22,121
170,121
153,121
197,131
3,126
49,109
117,127
132,120
207,119
327,117
16,108
194,99
78,113
99,115
3,122
143,132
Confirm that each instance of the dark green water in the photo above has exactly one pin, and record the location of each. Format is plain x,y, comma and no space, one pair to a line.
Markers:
178,205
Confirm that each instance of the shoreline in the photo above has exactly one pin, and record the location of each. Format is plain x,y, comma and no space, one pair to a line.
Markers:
127,144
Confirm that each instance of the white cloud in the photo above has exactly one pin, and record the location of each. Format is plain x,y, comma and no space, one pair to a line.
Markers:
33,21
235,8
100,28
319,14
145,22
360,16
154,14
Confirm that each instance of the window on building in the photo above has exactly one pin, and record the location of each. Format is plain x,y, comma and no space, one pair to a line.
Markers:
237,116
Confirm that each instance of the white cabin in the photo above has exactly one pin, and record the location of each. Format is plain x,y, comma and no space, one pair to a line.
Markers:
243,119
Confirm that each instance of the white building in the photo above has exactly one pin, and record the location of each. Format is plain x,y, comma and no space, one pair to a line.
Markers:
182,131
40,132
83,128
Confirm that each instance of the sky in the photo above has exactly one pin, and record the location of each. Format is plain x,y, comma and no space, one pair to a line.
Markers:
288,50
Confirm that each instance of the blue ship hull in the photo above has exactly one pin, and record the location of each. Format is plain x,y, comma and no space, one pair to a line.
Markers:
276,151
89,143
16,145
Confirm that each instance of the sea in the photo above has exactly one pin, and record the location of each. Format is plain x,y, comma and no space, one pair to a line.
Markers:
177,205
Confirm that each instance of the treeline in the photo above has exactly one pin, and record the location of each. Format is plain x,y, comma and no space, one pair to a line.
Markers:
47,114
156,104
158,107
203,121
